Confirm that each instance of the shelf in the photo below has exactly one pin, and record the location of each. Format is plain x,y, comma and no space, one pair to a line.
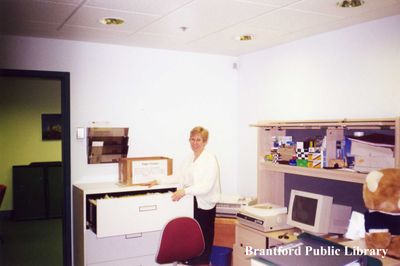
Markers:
271,184
344,123
107,145
339,175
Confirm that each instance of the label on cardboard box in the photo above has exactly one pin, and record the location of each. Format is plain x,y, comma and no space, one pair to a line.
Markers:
147,170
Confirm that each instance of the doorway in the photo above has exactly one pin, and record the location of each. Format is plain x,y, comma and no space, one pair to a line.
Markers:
55,221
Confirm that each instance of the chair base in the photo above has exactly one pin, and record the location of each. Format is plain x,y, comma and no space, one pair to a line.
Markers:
181,264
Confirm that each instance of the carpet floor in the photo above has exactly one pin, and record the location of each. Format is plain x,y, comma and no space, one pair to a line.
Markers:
30,243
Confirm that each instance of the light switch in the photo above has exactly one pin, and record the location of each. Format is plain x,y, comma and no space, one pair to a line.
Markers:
80,133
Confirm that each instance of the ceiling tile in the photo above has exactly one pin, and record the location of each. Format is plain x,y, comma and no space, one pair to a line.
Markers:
226,40
89,17
330,7
144,39
383,12
39,11
155,7
231,34
290,20
94,34
207,16
70,2
211,24
277,3
29,28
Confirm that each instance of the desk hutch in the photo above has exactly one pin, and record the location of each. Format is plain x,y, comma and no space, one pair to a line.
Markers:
271,176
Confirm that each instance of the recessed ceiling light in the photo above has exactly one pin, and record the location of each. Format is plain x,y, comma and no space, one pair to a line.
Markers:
112,21
244,37
350,3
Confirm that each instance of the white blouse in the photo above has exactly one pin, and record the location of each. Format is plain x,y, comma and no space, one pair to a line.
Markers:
199,178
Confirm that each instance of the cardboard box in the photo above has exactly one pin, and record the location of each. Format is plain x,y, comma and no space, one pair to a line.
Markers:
336,163
286,153
143,169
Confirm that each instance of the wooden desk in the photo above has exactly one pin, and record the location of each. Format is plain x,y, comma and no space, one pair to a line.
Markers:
275,240
224,235
278,236
320,260
386,261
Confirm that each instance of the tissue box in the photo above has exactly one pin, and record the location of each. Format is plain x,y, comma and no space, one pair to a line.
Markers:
143,169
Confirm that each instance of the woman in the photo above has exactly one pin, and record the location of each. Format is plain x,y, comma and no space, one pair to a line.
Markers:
199,176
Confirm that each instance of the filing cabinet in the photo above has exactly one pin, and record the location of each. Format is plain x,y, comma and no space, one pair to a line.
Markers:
121,225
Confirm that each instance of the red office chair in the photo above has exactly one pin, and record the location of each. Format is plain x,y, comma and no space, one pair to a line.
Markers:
181,240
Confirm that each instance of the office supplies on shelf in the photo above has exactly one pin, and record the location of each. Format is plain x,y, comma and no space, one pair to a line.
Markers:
371,152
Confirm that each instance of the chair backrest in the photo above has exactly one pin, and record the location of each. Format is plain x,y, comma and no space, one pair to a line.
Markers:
181,240
2,192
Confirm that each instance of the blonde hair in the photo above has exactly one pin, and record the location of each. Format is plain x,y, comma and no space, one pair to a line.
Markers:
200,130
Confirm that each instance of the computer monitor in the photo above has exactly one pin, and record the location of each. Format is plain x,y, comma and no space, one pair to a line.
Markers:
309,212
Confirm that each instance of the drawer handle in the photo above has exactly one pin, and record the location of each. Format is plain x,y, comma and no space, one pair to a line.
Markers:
133,236
147,208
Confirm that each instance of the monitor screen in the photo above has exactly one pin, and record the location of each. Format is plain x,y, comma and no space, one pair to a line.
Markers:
309,212
304,210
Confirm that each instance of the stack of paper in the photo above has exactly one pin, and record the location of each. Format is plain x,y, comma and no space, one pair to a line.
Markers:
371,155
229,205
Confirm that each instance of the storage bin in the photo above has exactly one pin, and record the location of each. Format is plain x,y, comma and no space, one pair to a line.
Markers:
221,256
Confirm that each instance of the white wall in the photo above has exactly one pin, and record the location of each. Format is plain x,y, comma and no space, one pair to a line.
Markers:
160,95
348,73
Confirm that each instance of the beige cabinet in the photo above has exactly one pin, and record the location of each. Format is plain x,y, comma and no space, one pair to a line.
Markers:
247,237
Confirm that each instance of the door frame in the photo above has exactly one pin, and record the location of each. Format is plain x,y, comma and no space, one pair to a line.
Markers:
64,78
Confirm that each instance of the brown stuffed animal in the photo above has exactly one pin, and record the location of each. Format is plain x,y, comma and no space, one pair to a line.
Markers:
381,193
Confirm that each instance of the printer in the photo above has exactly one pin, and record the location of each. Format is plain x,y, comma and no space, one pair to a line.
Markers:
229,205
264,217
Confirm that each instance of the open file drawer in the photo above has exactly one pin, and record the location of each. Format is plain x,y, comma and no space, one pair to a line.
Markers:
112,216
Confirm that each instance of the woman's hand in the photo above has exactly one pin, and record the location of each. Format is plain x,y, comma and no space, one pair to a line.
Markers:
178,194
150,184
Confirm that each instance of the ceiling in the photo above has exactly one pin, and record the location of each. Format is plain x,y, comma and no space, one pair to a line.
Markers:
211,25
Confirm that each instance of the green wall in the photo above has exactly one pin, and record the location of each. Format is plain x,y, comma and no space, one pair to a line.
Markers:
22,102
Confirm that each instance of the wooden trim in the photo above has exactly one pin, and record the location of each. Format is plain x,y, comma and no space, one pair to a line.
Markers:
64,78
397,144
363,123
340,175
